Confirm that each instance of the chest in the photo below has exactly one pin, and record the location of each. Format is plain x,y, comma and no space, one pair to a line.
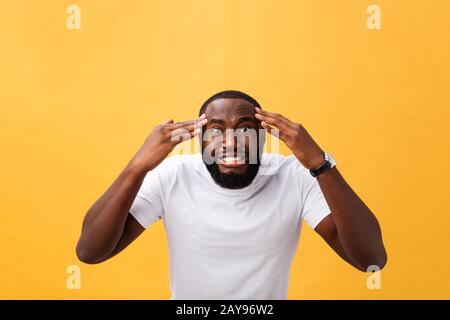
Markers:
197,215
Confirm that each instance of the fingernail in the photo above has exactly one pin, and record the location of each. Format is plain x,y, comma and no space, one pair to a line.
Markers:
203,115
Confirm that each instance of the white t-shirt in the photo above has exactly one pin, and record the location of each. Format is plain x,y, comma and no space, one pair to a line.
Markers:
230,243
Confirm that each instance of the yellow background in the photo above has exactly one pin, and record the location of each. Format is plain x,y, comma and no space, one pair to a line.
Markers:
77,104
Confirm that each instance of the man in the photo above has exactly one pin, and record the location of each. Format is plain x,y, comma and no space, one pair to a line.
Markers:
232,213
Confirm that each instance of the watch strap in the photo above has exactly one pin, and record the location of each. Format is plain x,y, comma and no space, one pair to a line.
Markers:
321,169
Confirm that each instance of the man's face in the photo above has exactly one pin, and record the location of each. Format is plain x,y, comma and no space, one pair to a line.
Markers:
231,139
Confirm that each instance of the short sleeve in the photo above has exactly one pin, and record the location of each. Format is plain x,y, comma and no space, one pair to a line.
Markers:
148,206
315,207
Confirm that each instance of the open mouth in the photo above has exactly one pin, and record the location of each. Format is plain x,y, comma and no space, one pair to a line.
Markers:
232,161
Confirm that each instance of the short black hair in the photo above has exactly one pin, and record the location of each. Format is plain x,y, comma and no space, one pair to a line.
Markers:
228,94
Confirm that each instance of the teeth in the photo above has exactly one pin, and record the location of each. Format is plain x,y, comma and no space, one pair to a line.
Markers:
232,159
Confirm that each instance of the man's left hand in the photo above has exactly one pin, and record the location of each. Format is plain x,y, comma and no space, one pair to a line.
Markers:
294,135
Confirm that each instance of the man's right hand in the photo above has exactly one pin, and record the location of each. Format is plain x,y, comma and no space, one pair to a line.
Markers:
164,138
108,227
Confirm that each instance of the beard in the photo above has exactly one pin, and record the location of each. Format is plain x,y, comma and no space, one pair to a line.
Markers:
233,180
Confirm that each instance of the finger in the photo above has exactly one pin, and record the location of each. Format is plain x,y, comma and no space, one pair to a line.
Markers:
278,122
185,135
267,113
181,124
168,121
197,125
266,126
188,128
201,121
273,131
276,116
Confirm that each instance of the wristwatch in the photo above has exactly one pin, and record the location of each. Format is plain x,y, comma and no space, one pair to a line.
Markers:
325,166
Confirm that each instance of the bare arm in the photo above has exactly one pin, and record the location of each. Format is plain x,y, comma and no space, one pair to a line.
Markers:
131,231
104,223
108,227
327,230
353,227
352,230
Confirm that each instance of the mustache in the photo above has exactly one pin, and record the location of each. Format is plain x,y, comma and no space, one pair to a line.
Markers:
222,155
231,180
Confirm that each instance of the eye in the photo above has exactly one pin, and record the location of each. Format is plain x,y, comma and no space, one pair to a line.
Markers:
216,131
243,129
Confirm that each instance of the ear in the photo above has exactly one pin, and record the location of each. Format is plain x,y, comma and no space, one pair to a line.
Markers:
261,138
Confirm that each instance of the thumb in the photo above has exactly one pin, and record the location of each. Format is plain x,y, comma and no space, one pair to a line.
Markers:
167,121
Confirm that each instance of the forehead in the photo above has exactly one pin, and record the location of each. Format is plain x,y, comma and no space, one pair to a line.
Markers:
229,108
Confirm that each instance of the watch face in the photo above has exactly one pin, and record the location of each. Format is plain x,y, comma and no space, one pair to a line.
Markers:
330,158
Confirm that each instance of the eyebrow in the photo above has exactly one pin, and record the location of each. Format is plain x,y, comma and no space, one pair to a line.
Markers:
240,120
215,120
247,119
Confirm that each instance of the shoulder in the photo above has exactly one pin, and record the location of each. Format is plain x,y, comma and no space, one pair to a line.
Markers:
173,163
280,164
287,169
168,171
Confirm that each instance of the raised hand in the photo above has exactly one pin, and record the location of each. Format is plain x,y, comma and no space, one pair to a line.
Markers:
164,138
294,135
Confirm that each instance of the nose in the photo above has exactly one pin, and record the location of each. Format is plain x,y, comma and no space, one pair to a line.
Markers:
228,143
231,145
230,139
